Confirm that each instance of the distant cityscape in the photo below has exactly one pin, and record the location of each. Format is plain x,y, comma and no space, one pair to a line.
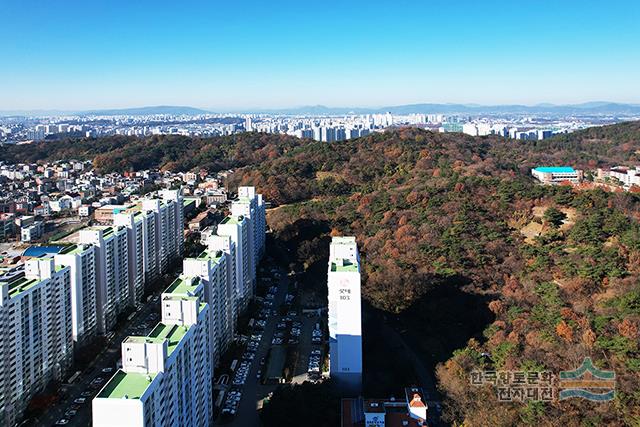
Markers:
317,126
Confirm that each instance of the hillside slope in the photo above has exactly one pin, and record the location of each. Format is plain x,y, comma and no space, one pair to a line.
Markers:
439,219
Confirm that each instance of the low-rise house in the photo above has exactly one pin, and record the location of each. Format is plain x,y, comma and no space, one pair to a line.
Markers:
32,232
410,411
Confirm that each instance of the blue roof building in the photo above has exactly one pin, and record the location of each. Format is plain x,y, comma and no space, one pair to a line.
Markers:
38,251
556,174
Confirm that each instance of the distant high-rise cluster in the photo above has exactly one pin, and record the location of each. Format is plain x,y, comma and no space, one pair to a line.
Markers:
327,129
523,131
321,127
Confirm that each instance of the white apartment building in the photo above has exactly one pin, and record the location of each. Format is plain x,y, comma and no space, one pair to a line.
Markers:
135,226
246,207
82,267
168,214
149,246
32,232
224,244
112,272
626,176
165,378
251,206
211,268
237,229
175,202
345,316
36,342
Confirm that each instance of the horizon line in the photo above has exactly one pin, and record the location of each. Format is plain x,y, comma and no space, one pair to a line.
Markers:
248,110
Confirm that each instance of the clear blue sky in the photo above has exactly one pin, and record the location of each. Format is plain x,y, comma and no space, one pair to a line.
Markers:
241,54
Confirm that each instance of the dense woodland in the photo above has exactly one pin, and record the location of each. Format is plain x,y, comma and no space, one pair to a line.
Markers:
442,217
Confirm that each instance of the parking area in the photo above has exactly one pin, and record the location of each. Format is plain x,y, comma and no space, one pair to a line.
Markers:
279,346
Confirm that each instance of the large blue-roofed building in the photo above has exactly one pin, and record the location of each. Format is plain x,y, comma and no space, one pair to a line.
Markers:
556,174
39,251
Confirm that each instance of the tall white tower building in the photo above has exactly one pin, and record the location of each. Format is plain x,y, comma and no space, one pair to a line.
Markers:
237,229
211,268
165,378
36,343
82,264
112,272
135,226
345,319
224,244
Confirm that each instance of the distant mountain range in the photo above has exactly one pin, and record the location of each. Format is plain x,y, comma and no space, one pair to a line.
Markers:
586,108
595,108
145,111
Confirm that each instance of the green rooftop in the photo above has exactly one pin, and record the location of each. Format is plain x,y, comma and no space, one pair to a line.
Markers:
21,285
346,267
172,333
183,286
232,220
208,255
98,227
135,339
73,249
132,385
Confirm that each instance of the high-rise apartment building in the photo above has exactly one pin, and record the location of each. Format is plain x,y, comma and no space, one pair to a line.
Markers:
175,203
237,229
345,322
112,272
224,244
168,224
82,267
211,268
135,226
246,207
165,378
36,341
251,206
149,246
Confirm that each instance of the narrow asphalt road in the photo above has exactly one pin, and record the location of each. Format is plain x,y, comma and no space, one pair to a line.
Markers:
252,390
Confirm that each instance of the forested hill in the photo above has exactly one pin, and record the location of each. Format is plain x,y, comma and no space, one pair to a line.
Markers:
557,269
598,145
